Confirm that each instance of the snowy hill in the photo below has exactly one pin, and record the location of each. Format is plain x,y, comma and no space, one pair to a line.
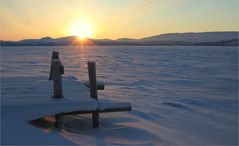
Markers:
193,39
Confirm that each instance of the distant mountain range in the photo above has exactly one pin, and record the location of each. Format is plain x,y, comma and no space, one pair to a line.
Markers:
195,39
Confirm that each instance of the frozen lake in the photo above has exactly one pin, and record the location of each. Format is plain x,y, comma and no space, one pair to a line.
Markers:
180,95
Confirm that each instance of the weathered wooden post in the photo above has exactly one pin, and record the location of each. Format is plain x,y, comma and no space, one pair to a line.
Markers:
56,63
55,55
57,69
93,90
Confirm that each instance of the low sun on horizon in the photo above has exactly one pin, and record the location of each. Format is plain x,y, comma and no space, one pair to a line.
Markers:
81,29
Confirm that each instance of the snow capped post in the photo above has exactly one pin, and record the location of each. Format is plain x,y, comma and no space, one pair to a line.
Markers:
93,90
57,69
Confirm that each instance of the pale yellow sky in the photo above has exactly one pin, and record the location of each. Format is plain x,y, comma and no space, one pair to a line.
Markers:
21,19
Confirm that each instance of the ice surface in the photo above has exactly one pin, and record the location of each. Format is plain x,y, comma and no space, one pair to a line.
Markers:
180,95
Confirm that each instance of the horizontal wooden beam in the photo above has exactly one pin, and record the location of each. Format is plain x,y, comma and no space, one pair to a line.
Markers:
105,110
119,109
100,85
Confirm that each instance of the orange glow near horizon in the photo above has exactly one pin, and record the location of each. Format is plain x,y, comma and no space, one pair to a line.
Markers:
81,28
82,42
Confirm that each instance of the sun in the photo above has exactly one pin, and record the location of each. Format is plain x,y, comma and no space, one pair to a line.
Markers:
82,29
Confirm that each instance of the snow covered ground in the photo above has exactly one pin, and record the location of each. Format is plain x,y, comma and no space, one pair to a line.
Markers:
180,95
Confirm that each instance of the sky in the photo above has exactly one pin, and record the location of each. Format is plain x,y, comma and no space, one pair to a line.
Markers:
21,19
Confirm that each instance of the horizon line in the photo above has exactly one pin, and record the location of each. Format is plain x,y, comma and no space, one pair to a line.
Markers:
125,37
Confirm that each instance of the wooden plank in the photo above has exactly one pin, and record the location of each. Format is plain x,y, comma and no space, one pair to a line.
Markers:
100,85
109,106
93,90
118,109
105,107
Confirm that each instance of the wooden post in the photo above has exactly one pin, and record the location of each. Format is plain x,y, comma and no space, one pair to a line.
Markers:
55,55
56,75
59,121
93,90
56,70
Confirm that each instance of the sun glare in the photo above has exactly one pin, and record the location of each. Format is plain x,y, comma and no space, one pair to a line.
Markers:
82,29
